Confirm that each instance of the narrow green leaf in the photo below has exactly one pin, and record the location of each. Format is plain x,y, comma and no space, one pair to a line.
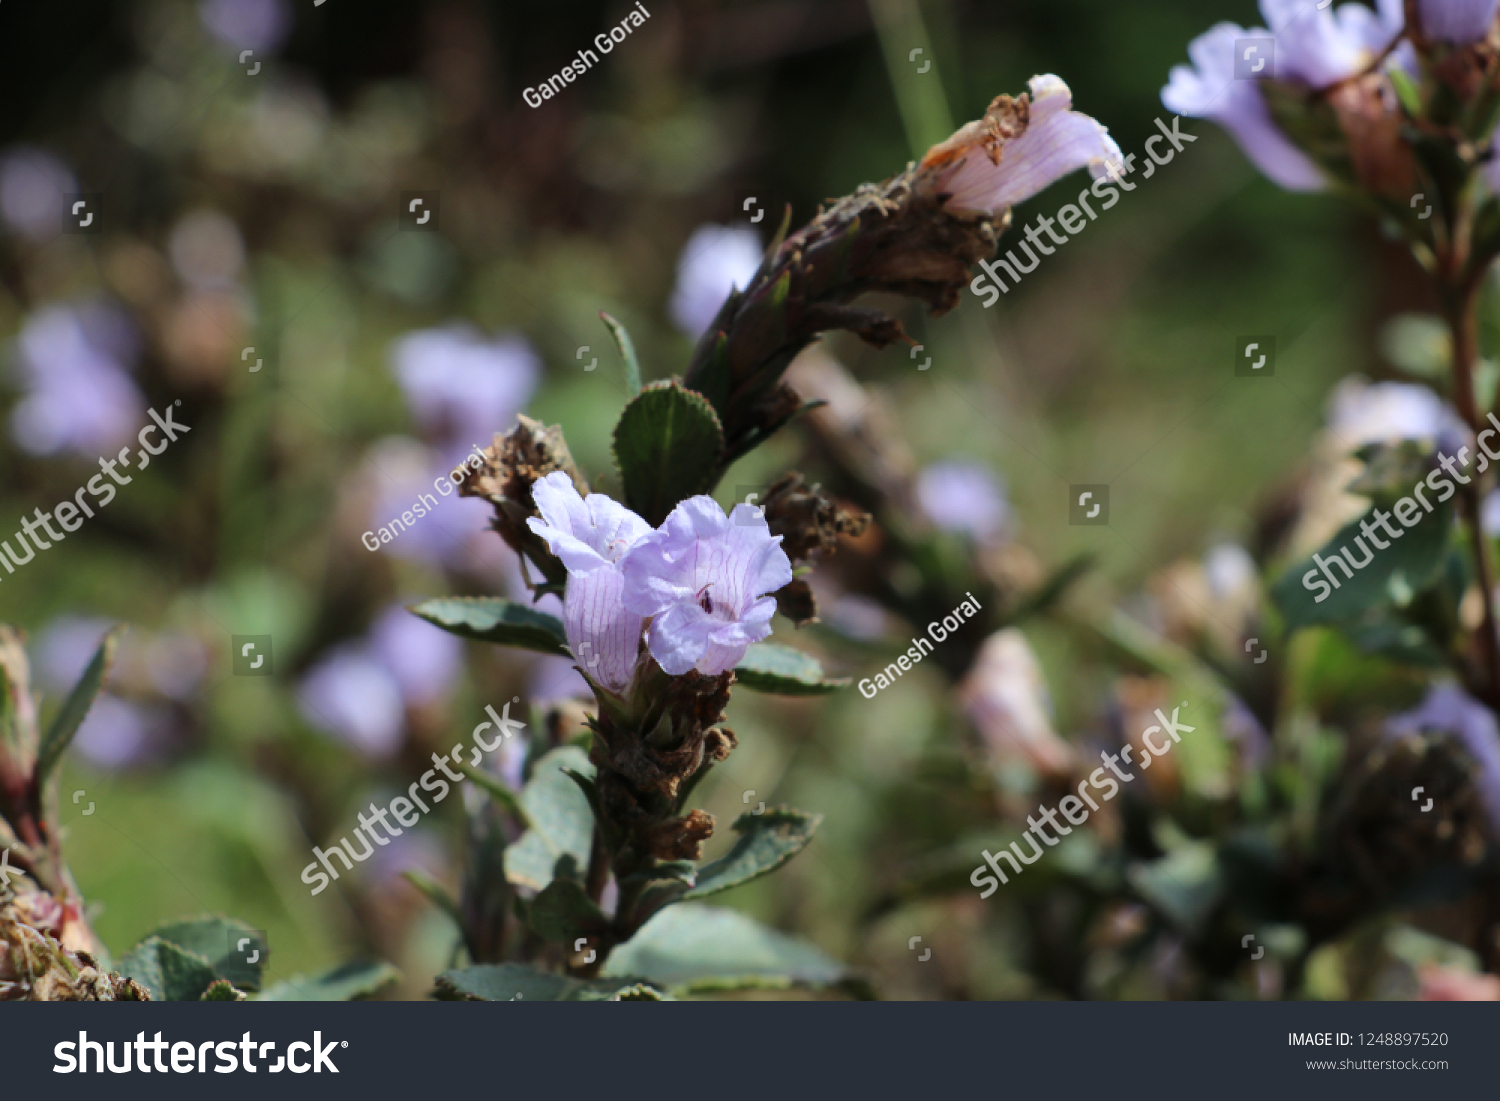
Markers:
518,982
627,353
490,619
562,821
76,707
495,788
668,446
435,893
358,979
169,972
766,842
770,667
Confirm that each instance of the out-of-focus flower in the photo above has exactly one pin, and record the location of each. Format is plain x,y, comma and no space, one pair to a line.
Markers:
705,577
1457,21
33,190
247,24
1448,708
1006,698
461,387
424,659
591,535
715,261
79,397
352,695
1018,148
207,250
401,472
1451,984
556,678
1314,49
963,497
1383,412
117,732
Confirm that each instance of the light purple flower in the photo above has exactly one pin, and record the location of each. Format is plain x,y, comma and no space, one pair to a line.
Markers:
715,261
461,387
1313,48
1056,142
116,732
33,189
591,535
962,497
1361,412
705,578
79,396
352,695
401,473
247,24
1448,708
1459,22
425,660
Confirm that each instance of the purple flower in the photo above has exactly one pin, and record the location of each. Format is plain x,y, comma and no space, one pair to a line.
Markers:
33,189
1056,142
1457,21
402,473
715,261
1361,412
247,24
463,388
962,497
352,695
79,397
1448,708
705,578
591,535
1313,48
425,660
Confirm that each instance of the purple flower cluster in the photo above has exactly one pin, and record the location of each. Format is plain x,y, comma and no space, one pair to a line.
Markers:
703,580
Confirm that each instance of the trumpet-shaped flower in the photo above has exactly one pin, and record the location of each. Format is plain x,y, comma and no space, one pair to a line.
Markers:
592,535
1017,149
705,577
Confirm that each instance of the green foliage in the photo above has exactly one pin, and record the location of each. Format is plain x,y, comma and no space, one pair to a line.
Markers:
668,446
562,822
770,667
511,982
491,619
563,912
766,842
353,980
225,943
76,707
222,990
627,353
171,973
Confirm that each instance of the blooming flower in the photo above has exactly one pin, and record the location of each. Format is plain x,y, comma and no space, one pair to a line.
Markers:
1457,21
715,261
1313,48
986,167
705,577
591,535
1005,695
962,497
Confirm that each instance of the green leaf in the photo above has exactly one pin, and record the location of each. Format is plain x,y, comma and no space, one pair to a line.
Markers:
169,972
358,979
627,353
692,944
668,446
435,893
564,912
60,734
490,619
512,982
496,789
562,823
227,944
766,842
770,667
222,990
1394,576
1418,344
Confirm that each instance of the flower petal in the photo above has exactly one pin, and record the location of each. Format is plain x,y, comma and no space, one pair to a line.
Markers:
604,637
1457,21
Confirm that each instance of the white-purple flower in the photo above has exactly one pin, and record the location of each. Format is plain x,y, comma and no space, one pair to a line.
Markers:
1313,48
1458,22
705,578
981,173
962,497
592,535
33,190
715,261
352,695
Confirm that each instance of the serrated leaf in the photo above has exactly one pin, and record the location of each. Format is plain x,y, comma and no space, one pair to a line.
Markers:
219,940
222,990
357,979
691,944
668,446
491,619
563,912
627,353
169,972
1393,576
76,707
766,842
770,667
562,822
513,982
